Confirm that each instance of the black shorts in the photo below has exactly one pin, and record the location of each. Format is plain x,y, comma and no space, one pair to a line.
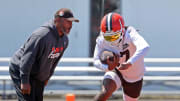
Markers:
131,89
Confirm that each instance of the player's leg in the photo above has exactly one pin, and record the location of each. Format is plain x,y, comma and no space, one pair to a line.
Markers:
131,91
108,88
111,82
128,98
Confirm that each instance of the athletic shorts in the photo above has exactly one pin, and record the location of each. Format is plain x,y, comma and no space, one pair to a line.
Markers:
132,89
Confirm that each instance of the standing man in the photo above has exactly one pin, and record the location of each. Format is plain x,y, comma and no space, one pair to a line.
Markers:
130,48
34,63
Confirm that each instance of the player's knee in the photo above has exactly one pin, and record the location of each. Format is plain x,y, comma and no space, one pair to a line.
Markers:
128,98
107,93
103,96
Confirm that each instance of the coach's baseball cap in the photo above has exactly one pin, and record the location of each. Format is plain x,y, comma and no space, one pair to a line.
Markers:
66,13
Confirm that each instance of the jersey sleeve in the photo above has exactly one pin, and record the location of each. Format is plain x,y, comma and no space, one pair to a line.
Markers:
97,52
141,45
30,48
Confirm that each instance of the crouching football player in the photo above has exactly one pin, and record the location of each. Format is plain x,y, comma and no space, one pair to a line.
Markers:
127,68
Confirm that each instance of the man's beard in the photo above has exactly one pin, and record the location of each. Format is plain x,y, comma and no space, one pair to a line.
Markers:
64,31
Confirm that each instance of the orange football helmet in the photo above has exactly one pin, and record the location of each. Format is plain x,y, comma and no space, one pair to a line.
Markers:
112,27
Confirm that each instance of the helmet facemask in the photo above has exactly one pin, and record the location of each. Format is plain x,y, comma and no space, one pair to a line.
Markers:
114,38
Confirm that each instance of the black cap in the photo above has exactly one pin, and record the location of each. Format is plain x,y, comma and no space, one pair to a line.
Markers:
66,13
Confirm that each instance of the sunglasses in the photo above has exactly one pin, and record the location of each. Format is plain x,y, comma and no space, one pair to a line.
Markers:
112,36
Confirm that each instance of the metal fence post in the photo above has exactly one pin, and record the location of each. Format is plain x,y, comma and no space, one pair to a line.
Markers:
4,90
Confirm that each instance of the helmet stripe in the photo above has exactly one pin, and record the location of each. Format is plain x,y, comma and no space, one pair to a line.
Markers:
120,25
109,22
106,23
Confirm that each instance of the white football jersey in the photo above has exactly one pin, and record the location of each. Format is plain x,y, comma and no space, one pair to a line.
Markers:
131,49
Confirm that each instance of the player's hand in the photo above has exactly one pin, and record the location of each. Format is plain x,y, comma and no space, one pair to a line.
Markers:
114,63
46,82
124,66
26,88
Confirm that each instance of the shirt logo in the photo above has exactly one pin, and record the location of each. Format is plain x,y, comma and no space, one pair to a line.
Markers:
55,52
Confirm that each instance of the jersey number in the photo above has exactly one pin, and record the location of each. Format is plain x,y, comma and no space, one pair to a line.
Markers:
126,53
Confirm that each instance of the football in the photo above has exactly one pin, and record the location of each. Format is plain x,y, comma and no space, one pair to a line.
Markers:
105,54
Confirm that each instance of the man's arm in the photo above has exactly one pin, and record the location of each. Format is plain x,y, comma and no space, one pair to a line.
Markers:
28,58
31,48
141,49
97,62
141,45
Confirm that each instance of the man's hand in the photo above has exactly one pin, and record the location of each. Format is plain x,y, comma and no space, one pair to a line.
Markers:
113,64
26,88
124,66
46,82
